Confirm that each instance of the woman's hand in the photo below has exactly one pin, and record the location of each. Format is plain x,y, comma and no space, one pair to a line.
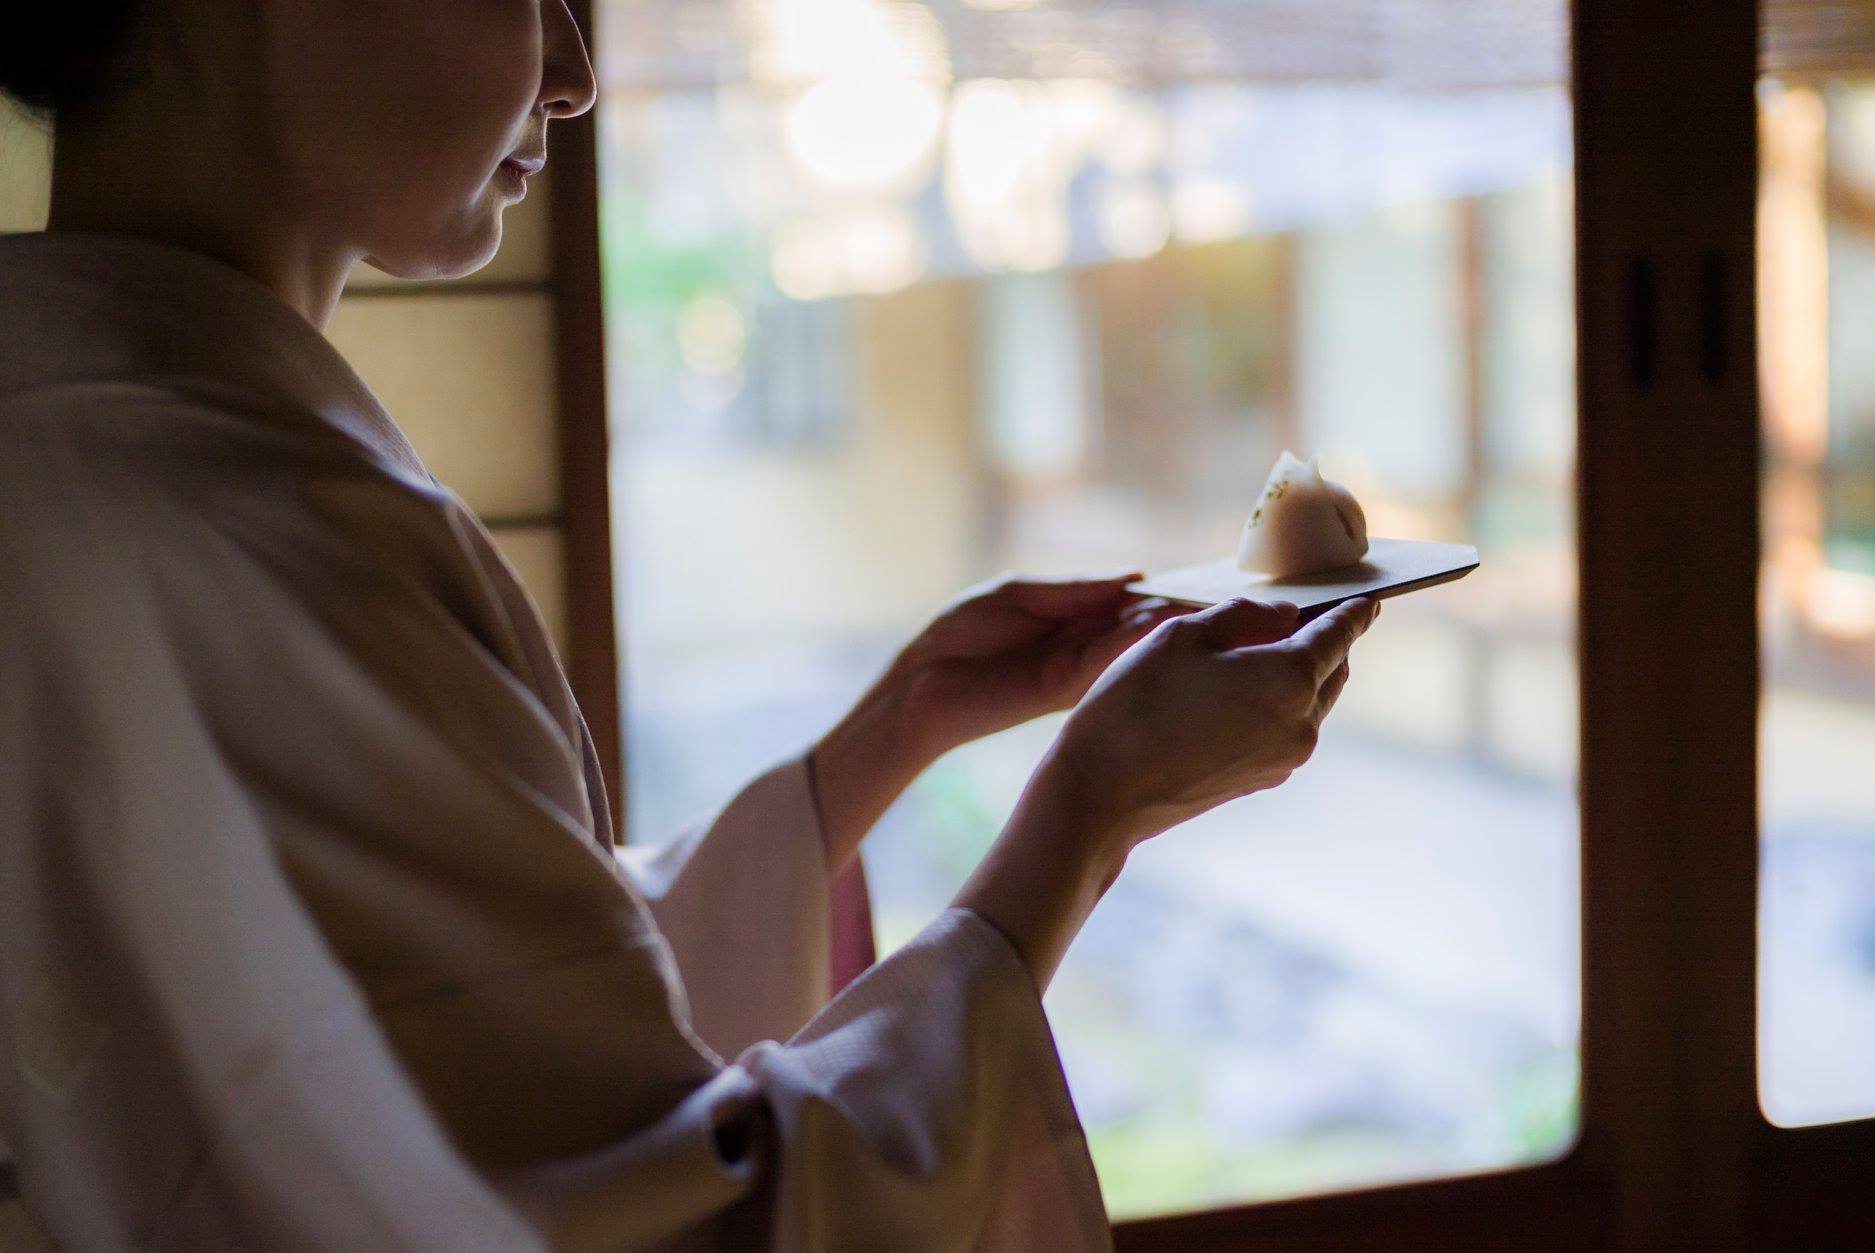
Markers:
1016,648
996,656
1217,705
1210,707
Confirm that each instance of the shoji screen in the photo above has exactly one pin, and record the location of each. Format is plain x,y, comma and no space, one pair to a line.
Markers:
25,171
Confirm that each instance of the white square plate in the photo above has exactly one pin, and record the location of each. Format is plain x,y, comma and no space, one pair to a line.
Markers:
1392,566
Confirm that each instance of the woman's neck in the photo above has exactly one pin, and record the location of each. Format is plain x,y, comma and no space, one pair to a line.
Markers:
203,193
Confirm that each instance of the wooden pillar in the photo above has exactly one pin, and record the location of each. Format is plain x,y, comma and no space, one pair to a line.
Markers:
1666,179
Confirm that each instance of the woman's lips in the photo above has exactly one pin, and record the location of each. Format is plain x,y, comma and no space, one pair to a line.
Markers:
514,171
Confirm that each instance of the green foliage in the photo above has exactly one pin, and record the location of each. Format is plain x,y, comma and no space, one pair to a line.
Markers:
1542,1107
648,279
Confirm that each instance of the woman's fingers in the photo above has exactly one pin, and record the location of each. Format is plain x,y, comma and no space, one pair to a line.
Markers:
1151,612
1244,623
1068,598
1331,692
1135,624
1327,640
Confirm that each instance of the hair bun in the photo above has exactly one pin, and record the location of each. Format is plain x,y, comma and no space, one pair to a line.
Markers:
56,55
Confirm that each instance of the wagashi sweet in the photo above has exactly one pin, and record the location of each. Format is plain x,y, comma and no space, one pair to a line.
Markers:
1302,523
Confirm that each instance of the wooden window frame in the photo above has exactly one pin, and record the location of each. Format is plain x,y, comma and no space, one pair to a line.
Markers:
1673,1150
592,652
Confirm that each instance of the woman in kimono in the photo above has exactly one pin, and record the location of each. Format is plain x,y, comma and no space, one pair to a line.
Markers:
312,934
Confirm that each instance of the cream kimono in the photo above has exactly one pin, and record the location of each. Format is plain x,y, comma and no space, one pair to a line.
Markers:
311,931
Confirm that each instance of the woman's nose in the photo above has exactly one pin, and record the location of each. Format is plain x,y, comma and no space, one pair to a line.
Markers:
567,88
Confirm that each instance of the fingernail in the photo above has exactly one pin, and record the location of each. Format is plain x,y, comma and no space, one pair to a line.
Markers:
1286,609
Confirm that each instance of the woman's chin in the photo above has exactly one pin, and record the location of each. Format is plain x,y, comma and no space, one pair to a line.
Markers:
436,259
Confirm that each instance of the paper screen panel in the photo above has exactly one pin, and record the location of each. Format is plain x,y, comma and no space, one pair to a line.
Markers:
470,378
25,170
538,555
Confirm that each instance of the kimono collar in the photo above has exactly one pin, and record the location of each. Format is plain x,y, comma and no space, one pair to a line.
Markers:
82,308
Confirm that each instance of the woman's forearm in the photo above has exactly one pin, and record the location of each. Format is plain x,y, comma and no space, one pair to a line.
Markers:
862,765
1055,858
1047,870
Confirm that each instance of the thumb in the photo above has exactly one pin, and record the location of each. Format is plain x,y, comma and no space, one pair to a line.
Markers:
1067,598
1242,622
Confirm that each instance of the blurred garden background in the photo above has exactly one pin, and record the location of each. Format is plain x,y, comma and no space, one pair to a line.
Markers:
902,295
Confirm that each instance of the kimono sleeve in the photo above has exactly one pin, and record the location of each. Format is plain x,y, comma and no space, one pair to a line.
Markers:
760,930
923,1108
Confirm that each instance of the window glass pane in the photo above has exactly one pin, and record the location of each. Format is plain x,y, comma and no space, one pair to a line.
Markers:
902,296
1817,897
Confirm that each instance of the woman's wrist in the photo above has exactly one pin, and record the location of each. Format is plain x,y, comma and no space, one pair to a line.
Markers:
922,731
1054,860
862,764
1064,802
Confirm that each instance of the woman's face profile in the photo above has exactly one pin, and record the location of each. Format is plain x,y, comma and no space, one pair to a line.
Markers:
403,126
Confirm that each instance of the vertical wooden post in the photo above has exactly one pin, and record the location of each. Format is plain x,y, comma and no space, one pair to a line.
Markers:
1666,179
585,465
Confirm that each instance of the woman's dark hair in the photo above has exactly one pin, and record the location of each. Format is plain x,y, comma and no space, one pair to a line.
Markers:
57,55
